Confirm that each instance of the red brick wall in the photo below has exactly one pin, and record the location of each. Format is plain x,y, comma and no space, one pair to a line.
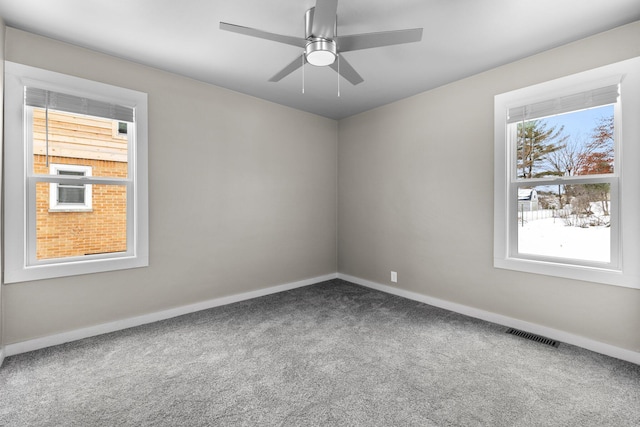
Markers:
65,234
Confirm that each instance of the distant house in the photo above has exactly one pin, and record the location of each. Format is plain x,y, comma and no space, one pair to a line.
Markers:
77,220
527,199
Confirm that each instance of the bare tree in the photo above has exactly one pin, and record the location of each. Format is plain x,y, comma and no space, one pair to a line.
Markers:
567,161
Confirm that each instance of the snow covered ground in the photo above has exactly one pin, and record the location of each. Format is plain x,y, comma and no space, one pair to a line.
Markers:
551,237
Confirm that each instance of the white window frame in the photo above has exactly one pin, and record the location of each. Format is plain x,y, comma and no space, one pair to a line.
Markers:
624,268
20,181
54,188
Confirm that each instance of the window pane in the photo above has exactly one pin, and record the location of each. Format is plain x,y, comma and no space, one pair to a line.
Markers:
73,173
122,128
70,234
79,140
70,194
576,143
565,221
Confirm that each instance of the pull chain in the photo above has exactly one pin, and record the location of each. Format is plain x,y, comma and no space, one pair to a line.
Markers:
338,55
46,131
303,73
338,76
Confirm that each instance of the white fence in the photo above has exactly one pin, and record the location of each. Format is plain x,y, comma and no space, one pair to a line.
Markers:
526,216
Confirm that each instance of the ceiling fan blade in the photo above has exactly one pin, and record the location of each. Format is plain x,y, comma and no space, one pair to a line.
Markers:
386,38
295,41
347,71
295,64
324,19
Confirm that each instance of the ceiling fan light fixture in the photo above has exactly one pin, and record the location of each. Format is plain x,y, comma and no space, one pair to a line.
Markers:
321,52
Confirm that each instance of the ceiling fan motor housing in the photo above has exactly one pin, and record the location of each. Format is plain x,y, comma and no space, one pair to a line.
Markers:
320,51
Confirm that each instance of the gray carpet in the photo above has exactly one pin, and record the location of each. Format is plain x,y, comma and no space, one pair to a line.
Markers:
332,354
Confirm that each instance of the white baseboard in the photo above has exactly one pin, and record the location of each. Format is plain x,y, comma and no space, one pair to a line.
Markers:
589,344
51,340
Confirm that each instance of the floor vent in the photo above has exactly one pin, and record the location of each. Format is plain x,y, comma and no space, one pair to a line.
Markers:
533,337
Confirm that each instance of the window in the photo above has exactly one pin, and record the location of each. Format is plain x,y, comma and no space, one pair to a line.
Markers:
119,129
566,199
75,190
69,197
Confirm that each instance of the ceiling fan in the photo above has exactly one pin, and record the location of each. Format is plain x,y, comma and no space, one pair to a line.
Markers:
322,45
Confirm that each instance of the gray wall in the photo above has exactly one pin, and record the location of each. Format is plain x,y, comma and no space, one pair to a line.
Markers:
239,199
409,173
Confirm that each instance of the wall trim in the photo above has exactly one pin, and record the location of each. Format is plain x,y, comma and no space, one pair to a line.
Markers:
64,337
566,337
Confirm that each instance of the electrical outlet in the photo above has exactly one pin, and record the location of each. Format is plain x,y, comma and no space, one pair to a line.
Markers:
394,277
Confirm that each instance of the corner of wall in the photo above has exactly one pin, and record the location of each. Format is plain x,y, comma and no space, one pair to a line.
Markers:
2,33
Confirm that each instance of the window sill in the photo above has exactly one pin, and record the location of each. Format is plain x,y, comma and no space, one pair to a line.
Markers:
73,268
608,276
71,210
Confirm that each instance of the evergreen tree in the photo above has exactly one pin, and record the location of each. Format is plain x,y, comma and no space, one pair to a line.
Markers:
535,143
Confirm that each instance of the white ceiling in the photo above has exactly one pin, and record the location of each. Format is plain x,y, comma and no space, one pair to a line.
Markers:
461,38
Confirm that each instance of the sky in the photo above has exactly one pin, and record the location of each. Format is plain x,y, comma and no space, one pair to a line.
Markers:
580,123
